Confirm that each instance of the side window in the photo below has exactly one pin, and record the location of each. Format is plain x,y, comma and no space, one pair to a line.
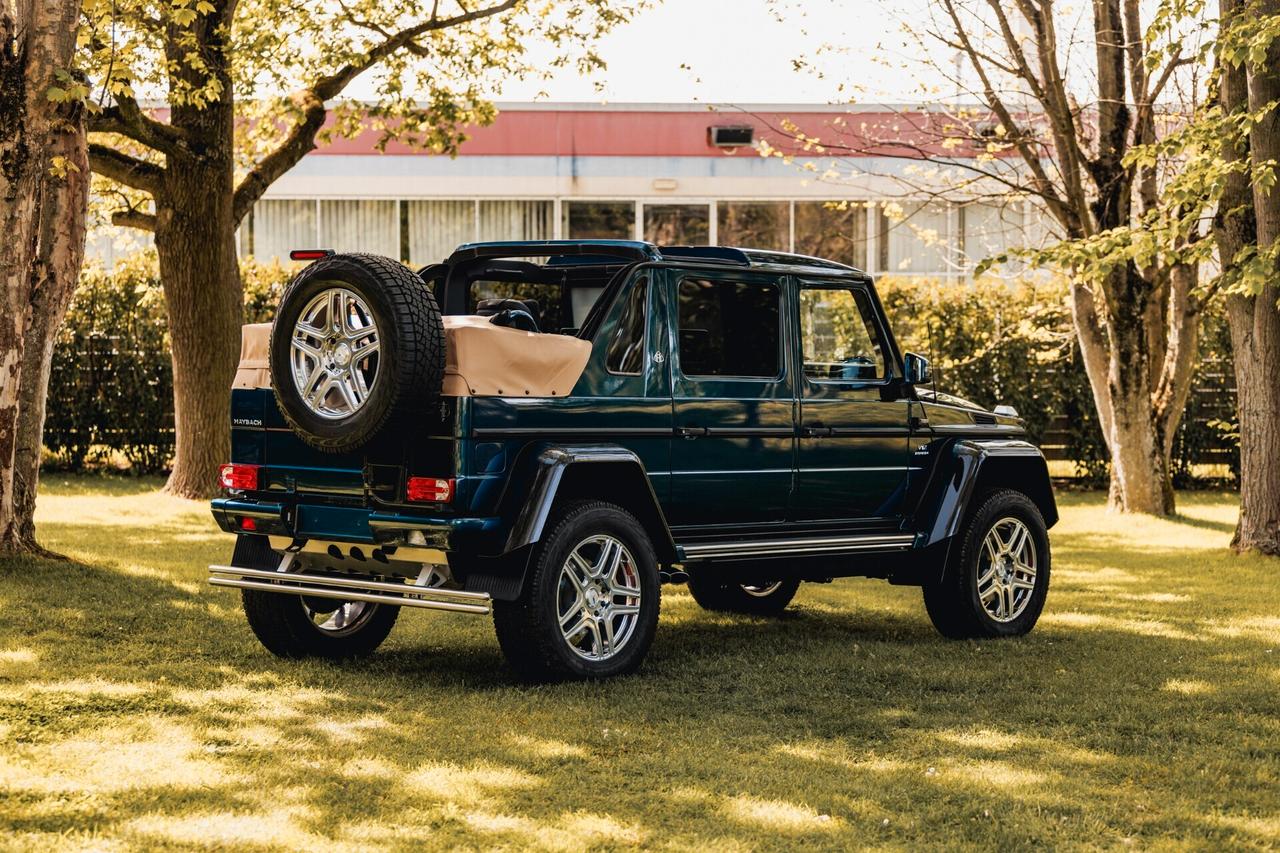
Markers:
839,336
729,328
625,353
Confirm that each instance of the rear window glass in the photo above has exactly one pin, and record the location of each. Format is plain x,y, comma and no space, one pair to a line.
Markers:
626,344
729,328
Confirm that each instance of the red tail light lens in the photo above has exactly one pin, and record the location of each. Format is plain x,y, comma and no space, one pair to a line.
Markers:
309,254
429,489
240,477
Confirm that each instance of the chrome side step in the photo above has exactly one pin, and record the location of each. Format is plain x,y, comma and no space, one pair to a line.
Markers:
798,547
351,589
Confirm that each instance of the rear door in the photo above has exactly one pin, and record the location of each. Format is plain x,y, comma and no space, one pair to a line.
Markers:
732,457
852,457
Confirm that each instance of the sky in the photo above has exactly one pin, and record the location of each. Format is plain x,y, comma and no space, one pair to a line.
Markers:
738,51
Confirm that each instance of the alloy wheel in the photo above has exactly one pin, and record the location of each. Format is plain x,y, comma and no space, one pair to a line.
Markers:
334,353
1007,567
598,598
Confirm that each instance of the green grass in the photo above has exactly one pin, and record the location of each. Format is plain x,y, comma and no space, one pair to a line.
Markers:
137,710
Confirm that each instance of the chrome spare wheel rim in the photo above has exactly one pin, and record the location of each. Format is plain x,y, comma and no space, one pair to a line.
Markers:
1007,570
598,598
334,353
344,617
761,590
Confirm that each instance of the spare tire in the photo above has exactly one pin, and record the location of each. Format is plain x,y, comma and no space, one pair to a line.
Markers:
357,349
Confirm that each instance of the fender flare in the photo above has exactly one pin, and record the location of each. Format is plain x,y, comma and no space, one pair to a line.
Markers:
978,465
541,474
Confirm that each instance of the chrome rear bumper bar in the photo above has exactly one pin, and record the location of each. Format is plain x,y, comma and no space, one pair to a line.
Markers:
351,589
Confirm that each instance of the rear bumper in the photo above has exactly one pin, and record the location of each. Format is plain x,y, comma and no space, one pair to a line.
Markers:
349,588
349,524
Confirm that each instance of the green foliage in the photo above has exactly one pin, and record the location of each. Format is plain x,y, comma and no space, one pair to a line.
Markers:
996,342
111,381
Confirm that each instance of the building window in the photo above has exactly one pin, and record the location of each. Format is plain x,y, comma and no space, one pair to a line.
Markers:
281,225
754,225
835,230
436,228
360,226
989,229
729,328
915,240
516,219
677,224
599,220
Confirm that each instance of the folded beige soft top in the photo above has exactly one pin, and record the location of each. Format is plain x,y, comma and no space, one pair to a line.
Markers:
481,359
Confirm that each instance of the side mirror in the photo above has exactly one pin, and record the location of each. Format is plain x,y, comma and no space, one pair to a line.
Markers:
917,369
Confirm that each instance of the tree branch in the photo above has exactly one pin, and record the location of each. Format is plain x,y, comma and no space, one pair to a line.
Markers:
310,103
133,219
130,171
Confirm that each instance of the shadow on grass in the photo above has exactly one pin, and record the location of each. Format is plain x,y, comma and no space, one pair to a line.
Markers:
136,707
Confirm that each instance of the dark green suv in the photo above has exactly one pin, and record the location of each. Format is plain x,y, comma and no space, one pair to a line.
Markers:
550,431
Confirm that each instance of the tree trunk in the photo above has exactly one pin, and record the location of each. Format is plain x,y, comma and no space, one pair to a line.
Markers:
199,270
54,275
1255,325
1123,376
195,240
36,41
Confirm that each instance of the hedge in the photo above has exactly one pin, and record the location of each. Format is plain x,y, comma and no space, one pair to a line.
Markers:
991,342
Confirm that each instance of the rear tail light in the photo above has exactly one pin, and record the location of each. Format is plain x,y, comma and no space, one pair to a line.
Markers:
239,477
247,523
309,254
429,490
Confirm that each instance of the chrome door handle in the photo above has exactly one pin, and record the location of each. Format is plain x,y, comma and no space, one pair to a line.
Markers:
691,431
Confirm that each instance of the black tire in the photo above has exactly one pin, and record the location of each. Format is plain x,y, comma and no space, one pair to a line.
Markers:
955,602
715,593
284,626
407,369
529,629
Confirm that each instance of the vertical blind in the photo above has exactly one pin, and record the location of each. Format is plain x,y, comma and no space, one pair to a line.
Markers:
360,226
281,225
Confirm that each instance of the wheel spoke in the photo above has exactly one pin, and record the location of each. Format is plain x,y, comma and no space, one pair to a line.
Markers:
607,562
624,609
303,346
360,353
575,610
604,628
578,571
318,392
988,594
986,576
337,309
1017,540
624,590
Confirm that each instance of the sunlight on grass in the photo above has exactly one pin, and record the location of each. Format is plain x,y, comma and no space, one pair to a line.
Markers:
137,710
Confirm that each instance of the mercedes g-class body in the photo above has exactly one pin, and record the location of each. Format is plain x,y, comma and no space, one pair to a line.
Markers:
549,431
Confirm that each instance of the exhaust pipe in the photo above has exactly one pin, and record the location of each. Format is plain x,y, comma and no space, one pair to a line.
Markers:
349,588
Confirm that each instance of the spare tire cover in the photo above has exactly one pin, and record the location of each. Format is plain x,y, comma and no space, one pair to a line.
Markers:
357,350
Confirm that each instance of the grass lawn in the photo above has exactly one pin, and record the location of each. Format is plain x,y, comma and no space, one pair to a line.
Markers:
137,710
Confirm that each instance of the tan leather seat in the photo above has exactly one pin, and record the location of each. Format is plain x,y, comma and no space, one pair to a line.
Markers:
481,359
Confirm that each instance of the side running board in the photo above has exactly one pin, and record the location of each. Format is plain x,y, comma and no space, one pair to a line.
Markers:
785,547
350,588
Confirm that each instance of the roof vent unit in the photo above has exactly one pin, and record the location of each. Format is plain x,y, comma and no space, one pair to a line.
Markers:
730,135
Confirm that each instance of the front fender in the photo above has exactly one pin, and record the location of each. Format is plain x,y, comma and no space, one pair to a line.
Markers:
973,466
